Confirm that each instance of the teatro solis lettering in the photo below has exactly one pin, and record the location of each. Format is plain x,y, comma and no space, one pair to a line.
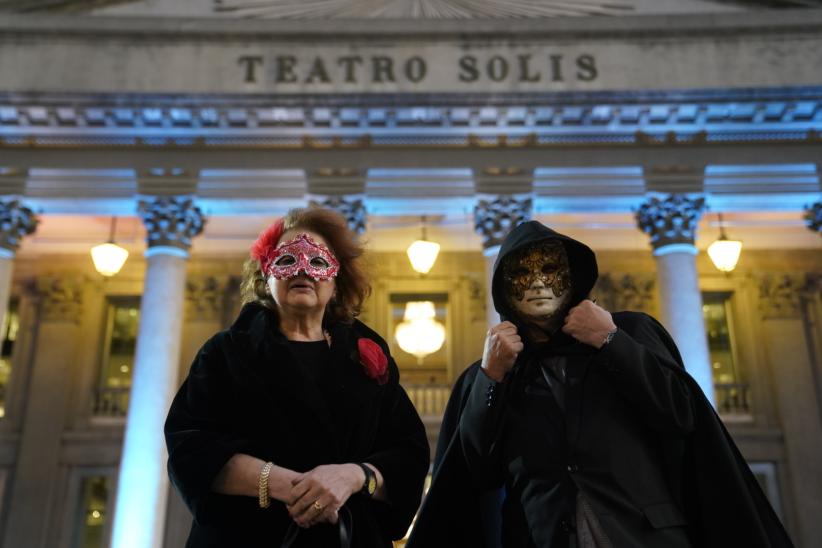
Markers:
385,69
526,67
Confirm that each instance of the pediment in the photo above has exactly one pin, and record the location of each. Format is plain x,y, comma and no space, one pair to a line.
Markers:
391,9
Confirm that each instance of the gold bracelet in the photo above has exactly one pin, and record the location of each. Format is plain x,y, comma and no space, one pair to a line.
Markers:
265,502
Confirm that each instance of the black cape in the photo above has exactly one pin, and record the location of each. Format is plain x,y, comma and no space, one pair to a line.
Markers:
722,499
245,394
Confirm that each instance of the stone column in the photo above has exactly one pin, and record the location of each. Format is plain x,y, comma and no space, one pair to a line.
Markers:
16,221
350,207
37,470
671,223
142,488
789,305
493,220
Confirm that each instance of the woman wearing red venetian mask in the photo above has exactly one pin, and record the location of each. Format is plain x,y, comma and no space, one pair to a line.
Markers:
291,426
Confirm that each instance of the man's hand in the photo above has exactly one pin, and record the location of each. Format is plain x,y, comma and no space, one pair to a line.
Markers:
502,346
589,323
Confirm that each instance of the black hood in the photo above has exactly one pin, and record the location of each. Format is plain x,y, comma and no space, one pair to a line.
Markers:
581,259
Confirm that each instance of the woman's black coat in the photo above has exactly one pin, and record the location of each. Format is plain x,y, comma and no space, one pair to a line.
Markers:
245,394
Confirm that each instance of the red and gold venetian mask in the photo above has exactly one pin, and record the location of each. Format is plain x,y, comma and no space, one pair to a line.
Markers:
302,254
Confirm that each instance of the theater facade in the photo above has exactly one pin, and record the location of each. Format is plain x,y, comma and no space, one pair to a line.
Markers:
179,131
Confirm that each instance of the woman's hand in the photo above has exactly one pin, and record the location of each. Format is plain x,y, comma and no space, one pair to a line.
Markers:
318,494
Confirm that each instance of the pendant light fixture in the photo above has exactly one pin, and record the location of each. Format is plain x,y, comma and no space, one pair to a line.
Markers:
724,253
109,257
423,253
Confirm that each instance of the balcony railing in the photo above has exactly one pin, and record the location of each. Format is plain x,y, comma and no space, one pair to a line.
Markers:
110,402
429,399
733,399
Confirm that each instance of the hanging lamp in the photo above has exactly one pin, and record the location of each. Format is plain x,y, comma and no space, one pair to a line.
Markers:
423,253
109,257
724,253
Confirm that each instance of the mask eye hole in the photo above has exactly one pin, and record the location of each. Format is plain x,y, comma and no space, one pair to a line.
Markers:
319,262
520,272
549,268
285,260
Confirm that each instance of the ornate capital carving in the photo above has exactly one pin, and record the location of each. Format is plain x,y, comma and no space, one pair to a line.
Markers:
671,220
61,299
171,221
352,209
780,295
628,292
16,221
813,217
494,219
206,298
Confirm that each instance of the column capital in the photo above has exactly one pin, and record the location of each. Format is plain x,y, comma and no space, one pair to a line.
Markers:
813,217
16,221
350,207
670,220
494,218
171,221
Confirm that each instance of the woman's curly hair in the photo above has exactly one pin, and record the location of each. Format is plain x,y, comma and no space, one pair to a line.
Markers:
352,282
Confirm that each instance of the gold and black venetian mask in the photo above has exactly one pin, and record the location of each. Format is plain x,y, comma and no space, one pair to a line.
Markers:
546,261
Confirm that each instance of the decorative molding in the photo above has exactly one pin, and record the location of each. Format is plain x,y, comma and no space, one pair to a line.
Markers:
494,219
353,210
16,221
813,217
167,182
61,299
206,298
781,295
162,122
634,292
504,180
171,221
475,291
670,220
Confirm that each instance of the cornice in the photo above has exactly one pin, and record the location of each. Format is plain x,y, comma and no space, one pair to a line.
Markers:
167,121
764,22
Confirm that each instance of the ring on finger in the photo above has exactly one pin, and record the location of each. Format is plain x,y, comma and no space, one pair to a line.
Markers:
317,506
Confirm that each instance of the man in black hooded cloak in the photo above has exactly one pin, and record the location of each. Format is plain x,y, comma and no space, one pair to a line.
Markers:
581,428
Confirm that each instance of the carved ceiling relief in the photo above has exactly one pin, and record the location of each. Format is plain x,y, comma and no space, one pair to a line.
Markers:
635,292
781,296
207,298
61,298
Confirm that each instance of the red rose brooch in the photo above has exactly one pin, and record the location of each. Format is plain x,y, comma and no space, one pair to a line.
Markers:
373,360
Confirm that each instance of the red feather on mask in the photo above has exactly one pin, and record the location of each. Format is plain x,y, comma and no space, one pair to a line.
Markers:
266,242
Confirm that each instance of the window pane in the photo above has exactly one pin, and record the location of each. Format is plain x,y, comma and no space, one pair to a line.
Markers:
118,357
715,311
11,325
92,513
732,395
